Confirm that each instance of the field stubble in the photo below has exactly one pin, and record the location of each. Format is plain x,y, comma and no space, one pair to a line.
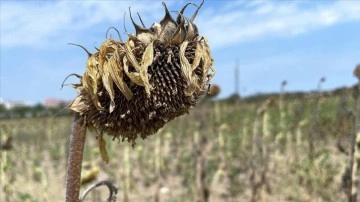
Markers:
246,154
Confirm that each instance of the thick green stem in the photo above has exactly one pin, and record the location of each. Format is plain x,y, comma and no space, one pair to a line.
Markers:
77,142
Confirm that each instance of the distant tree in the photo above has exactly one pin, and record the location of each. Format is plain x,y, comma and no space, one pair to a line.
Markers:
21,111
38,107
2,108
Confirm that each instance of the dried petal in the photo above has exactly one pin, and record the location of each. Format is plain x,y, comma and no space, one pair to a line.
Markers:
108,84
117,74
134,76
187,70
141,68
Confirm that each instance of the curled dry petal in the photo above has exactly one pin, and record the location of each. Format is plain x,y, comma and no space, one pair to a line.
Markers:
117,74
187,70
141,69
108,84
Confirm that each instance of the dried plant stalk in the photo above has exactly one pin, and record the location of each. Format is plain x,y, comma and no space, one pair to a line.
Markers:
202,190
315,122
281,136
75,159
260,155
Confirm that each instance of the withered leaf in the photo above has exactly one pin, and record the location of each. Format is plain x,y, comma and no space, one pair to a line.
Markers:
168,26
78,105
179,34
143,34
102,148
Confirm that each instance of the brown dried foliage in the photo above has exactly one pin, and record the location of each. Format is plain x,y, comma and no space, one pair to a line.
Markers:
134,87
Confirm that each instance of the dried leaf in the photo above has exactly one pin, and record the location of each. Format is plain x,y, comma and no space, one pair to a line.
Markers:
102,148
143,34
179,34
168,26
78,105
192,31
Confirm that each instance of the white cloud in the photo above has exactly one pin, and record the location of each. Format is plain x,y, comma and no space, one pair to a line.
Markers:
38,23
41,23
268,18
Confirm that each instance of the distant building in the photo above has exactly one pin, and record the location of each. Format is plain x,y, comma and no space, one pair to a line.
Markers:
53,102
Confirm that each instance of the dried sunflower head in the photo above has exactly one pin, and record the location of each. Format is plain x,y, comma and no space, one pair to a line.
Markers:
134,87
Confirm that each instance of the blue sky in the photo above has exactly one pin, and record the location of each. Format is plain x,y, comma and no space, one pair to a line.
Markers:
297,41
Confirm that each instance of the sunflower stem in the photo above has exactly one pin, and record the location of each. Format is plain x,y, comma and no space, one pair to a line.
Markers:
77,142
